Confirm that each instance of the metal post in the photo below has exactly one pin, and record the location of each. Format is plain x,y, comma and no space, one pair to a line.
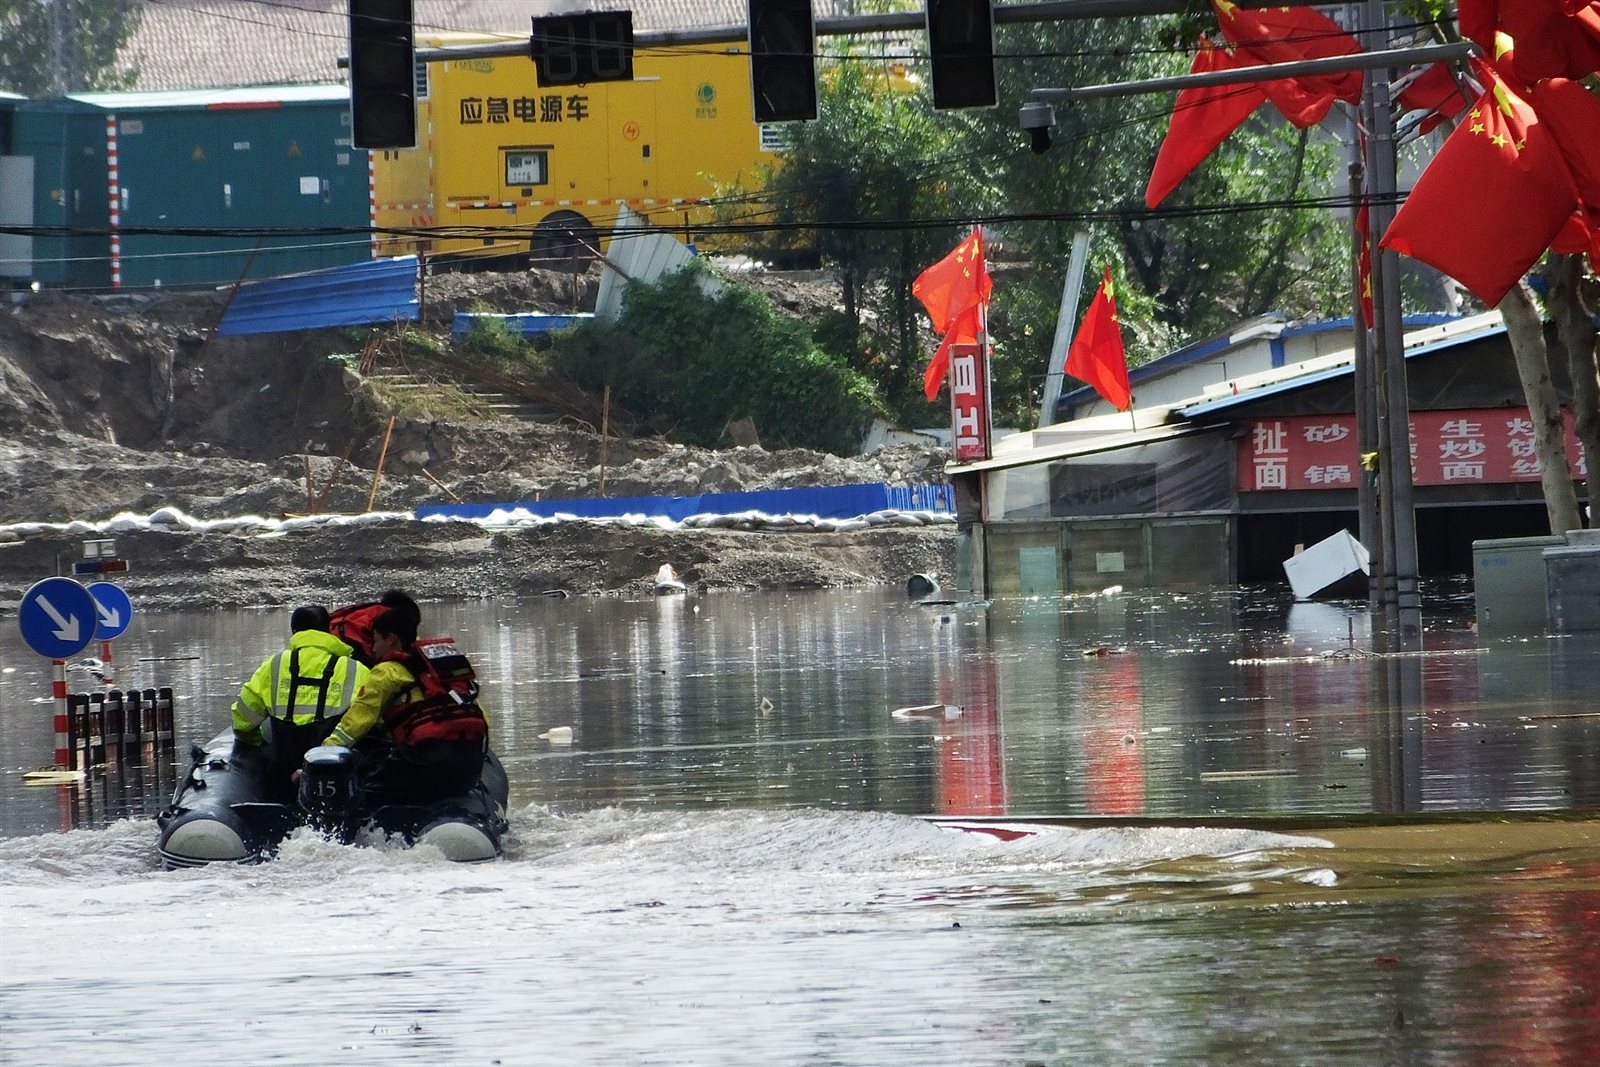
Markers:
1066,320
1389,335
1365,399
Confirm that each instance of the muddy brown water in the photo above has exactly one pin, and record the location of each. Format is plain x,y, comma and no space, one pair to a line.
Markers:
1254,838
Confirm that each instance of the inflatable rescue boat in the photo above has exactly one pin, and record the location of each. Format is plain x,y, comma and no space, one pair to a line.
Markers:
227,809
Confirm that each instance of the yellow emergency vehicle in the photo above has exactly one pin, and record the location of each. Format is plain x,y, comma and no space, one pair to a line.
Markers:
506,168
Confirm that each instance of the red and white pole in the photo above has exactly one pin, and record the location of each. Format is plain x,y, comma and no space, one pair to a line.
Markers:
58,689
114,202
109,673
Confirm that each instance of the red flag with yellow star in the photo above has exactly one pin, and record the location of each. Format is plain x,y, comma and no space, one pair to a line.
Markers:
1364,263
1555,38
953,290
1288,35
1097,356
1201,120
1492,200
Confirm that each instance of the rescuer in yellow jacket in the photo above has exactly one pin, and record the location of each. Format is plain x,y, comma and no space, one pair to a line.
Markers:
421,697
296,697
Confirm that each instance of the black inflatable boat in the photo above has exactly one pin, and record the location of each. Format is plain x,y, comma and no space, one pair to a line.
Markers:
227,809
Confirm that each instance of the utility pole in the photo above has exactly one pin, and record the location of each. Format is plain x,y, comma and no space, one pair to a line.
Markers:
1402,598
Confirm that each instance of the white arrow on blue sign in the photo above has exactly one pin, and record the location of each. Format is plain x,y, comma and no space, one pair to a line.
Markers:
114,611
58,617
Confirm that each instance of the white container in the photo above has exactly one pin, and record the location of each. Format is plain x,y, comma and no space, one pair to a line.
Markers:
1325,563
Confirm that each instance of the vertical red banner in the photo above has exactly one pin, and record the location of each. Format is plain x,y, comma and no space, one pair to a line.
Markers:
969,402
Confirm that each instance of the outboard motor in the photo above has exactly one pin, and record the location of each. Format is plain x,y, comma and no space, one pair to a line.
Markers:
329,791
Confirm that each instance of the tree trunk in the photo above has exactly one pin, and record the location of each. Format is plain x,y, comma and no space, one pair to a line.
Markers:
1526,333
1577,334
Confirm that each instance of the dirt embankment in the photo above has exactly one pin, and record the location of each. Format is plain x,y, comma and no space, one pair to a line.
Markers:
133,404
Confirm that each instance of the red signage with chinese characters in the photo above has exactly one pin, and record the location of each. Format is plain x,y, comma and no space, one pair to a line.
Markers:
969,402
1483,445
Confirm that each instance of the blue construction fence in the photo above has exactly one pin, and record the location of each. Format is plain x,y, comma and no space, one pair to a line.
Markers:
825,502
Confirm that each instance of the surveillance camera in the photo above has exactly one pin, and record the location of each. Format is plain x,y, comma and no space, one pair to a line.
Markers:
1038,118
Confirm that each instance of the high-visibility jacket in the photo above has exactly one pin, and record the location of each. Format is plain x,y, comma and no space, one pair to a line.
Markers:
412,704
314,679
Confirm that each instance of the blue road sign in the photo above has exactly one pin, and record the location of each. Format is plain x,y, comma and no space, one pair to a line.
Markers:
114,610
57,617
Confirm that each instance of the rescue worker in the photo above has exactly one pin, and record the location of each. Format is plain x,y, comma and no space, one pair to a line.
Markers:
353,623
425,700
297,697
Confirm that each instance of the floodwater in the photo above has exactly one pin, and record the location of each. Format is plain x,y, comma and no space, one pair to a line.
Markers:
1260,840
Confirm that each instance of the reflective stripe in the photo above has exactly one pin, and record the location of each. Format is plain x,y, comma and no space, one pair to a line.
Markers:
303,699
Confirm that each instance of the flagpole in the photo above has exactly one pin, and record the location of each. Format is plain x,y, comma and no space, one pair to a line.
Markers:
1071,293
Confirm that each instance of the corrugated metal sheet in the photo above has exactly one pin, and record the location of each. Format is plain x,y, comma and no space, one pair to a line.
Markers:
246,96
828,502
381,291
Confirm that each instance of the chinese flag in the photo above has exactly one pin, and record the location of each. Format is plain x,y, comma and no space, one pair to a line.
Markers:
1364,263
1436,92
1555,38
1201,119
1492,200
953,290
1572,113
1096,355
964,331
1290,34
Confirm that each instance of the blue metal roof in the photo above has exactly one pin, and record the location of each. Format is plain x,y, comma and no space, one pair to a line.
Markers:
383,290
1289,385
1199,351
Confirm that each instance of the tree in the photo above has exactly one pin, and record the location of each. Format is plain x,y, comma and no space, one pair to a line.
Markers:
1197,267
55,46
876,159
694,355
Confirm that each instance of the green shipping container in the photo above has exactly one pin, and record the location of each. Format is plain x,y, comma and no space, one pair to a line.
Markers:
193,188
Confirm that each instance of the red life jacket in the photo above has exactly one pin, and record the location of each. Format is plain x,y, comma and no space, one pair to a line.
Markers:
353,626
447,709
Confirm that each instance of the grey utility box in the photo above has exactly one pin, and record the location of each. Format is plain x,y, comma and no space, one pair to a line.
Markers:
1508,581
1572,583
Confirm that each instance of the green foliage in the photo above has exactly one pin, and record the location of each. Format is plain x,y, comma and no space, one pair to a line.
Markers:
878,155
694,362
885,159
1182,274
64,45
493,341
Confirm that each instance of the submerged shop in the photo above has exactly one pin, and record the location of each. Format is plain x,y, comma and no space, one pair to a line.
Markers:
1221,485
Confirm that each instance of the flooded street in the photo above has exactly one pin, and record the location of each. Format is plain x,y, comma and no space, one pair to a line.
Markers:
1257,841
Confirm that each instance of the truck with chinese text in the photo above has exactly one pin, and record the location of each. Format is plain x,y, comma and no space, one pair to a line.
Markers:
515,172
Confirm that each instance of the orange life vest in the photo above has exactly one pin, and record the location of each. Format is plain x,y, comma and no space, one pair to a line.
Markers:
353,626
447,709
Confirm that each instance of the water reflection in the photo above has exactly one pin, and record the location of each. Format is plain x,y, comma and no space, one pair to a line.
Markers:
1162,706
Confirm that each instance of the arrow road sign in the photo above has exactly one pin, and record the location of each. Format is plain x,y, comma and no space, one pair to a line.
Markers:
114,611
58,617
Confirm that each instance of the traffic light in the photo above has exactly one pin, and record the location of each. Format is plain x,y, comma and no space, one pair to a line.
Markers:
383,79
595,46
961,53
783,67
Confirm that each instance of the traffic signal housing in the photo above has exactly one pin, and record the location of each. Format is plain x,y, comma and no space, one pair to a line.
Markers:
383,75
961,53
783,65
593,46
